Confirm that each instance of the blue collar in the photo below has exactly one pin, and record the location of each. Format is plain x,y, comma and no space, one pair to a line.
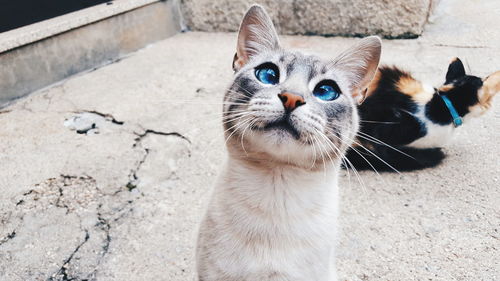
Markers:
457,120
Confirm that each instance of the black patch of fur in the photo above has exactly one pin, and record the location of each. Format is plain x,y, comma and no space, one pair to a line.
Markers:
387,113
437,111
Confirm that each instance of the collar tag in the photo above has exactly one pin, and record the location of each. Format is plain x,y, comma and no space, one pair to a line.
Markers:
457,120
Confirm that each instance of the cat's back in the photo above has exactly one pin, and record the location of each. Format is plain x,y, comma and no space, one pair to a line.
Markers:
394,87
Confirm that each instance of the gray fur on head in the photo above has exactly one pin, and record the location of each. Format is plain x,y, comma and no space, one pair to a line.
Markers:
324,129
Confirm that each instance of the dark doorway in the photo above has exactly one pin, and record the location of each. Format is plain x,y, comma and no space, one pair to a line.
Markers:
17,13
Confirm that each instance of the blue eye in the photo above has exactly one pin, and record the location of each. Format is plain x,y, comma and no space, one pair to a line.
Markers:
267,73
327,90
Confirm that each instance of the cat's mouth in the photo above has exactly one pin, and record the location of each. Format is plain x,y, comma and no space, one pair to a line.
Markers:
283,125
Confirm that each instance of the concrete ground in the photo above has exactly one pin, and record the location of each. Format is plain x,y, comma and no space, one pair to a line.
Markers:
121,200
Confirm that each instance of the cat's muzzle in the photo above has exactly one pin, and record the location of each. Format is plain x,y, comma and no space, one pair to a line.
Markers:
283,124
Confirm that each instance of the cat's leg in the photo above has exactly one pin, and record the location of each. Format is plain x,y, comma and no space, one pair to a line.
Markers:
423,157
384,158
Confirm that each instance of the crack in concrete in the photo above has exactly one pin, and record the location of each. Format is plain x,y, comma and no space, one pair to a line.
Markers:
89,121
62,273
8,237
53,192
107,116
21,201
58,201
134,179
149,131
86,130
105,226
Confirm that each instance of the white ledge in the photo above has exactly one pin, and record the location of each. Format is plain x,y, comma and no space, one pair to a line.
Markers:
40,30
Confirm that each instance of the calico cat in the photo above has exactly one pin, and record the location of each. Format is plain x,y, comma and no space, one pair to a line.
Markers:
288,120
405,122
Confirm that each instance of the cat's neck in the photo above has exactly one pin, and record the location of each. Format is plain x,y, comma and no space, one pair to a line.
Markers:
437,112
279,173
279,188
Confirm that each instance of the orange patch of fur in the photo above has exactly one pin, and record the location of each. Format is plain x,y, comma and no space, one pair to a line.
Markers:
361,144
413,88
446,88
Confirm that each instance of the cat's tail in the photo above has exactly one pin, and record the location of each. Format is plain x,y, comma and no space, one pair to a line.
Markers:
384,158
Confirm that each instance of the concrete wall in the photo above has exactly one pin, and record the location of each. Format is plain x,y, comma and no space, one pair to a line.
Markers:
388,18
27,68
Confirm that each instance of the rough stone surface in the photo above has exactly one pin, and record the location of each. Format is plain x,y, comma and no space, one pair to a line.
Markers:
400,19
123,199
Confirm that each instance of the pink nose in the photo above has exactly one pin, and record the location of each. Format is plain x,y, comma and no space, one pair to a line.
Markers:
291,101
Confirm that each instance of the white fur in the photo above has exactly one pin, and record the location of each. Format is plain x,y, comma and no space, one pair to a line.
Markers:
291,212
437,135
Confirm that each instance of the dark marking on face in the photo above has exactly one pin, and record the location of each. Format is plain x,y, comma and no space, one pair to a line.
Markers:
241,92
246,86
312,70
324,69
291,65
337,111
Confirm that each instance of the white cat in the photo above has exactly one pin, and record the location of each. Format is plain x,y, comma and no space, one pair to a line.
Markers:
289,119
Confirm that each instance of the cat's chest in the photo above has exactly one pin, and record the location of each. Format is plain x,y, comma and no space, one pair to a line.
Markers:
292,208
436,135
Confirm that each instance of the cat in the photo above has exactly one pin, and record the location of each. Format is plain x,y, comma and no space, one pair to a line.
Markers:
288,119
405,122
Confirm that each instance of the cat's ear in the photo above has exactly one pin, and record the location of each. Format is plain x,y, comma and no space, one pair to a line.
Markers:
257,34
491,87
456,70
493,82
359,64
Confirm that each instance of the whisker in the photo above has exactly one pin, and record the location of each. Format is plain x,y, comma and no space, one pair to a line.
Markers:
326,152
238,127
194,102
233,91
243,134
372,153
375,140
340,155
379,122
